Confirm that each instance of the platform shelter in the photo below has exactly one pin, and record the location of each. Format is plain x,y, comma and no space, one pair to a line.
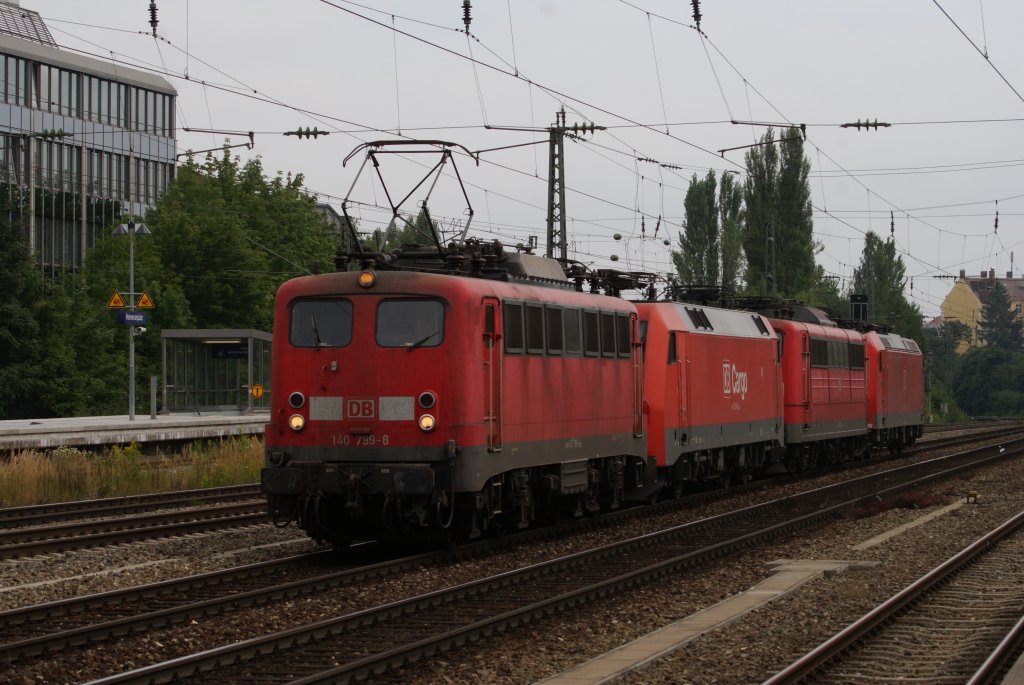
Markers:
215,370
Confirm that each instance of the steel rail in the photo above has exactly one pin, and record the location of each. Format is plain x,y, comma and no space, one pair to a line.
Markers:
848,637
991,671
114,612
24,541
62,511
462,613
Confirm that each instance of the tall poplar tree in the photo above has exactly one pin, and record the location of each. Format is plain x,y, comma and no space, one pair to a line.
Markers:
730,218
697,259
778,234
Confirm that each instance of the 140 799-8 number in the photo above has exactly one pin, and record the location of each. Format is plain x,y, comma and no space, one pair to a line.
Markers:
360,440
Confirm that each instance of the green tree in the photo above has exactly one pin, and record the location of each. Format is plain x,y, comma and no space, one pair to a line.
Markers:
401,232
229,237
989,381
730,217
882,276
777,196
697,260
21,288
999,325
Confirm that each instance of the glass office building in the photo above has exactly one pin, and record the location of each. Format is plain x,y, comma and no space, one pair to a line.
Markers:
114,148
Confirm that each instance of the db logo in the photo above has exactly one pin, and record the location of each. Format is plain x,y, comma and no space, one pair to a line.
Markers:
734,381
360,408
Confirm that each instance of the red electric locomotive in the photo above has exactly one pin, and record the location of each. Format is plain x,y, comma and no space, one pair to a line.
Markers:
825,409
713,391
895,390
408,402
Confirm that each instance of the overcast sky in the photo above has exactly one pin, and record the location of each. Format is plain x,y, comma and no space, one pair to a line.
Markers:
955,147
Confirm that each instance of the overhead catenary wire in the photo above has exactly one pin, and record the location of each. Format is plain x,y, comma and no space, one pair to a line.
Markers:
983,53
530,89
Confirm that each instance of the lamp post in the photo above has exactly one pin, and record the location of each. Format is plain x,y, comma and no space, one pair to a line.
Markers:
131,228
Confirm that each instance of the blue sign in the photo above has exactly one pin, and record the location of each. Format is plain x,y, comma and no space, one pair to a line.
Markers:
132,318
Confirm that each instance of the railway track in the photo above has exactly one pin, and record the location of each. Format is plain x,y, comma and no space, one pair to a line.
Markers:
60,527
61,537
47,628
939,629
352,646
43,514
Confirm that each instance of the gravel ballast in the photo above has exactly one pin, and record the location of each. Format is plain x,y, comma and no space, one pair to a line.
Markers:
749,650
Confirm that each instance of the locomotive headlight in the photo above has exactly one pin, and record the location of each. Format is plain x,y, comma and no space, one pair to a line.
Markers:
427,423
296,422
367,278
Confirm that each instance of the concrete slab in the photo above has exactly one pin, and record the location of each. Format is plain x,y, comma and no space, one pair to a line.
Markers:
789,575
93,431
889,534
1015,676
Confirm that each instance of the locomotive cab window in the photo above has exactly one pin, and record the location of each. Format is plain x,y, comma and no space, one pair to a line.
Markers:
321,323
410,323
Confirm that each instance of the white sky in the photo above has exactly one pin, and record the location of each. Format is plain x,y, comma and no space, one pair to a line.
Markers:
802,61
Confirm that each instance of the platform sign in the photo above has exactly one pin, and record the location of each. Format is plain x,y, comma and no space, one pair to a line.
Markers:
230,350
257,390
115,302
133,318
145,301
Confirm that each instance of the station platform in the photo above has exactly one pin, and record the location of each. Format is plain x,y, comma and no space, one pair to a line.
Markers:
100,431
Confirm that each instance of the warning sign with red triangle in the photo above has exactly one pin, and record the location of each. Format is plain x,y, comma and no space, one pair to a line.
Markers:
144,301
115,302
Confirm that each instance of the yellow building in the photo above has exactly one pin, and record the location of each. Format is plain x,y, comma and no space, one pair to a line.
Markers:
965,301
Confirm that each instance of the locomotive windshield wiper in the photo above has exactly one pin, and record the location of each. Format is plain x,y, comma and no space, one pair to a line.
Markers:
316,333
413,345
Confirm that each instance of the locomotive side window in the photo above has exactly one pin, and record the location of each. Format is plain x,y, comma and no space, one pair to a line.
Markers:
514,328
571,319
819,353
672,359
534,328
321,323
591,337
410,323
553,316
607,334
622,334
856,355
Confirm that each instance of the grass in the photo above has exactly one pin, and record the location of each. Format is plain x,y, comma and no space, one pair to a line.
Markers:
67,474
